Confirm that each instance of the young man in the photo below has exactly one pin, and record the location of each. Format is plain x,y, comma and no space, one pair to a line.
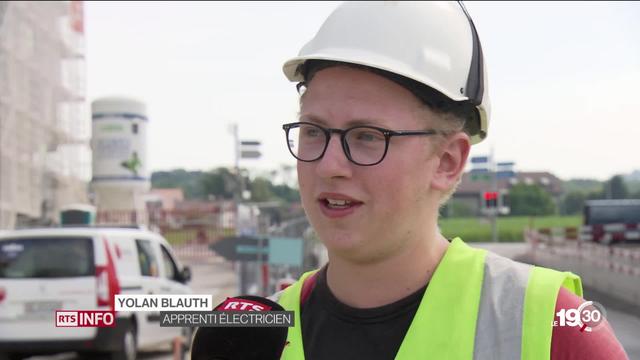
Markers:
393,96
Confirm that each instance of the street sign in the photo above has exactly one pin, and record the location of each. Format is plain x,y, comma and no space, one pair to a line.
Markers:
480,174
251,250
275,250
242,248
480,177
479,159
505,174
250,154
250,149
285,251
506,164
479,170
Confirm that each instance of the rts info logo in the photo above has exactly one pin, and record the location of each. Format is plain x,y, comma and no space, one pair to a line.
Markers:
85,318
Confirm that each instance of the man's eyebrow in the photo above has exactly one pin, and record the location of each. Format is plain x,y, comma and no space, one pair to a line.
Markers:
366,122
350,123
312,119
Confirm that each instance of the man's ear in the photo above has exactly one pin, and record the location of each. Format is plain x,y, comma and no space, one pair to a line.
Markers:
453,154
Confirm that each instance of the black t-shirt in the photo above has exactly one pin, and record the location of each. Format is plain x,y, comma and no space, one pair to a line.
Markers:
332,330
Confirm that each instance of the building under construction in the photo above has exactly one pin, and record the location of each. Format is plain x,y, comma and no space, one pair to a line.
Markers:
45,159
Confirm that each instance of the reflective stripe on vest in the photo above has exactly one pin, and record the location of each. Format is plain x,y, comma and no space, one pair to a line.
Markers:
500,308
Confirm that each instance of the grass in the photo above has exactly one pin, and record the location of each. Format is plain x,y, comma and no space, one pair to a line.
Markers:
510,229
471,229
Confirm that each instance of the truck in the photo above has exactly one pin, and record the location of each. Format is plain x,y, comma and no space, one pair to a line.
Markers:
612,221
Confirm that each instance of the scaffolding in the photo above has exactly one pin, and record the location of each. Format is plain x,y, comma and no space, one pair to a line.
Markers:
45,159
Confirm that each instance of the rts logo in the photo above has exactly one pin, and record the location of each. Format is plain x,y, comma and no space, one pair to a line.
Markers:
234,304
85,318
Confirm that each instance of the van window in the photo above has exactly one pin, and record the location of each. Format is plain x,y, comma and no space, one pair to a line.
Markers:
169,265
147,258
46,257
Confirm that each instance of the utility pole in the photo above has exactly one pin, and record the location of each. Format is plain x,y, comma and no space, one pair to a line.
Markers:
494,211
239,180
245,268
237,197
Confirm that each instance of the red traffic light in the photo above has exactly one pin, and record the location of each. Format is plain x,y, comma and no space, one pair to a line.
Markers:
490,195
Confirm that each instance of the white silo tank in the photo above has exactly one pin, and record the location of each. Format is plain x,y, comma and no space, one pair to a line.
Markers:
119,144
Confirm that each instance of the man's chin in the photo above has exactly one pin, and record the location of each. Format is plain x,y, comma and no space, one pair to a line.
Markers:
352,248
340,241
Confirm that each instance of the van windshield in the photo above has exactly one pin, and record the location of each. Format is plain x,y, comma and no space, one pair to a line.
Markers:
46,257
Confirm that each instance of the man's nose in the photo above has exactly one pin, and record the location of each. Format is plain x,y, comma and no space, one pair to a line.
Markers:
334,162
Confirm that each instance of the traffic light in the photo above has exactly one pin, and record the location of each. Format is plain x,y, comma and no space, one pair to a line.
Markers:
490,199
504,202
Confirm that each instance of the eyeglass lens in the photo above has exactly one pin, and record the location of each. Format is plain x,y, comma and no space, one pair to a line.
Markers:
364,145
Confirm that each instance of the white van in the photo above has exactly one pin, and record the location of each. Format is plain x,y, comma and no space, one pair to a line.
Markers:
82,268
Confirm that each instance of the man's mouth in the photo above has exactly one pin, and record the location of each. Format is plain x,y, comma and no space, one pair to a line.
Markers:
338,203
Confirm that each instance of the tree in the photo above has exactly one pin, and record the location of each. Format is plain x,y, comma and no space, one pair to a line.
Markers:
188,181
616,188
596,195
573,203
288,194
530,200
220,183
261,190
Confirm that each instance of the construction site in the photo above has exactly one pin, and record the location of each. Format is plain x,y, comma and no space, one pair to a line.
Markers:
77,160
45,158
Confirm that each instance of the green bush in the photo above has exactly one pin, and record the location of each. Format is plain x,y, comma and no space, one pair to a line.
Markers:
530,200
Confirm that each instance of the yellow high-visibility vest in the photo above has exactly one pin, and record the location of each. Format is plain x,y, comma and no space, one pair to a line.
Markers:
478,305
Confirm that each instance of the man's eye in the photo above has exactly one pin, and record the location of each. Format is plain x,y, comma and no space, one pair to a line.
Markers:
369,136
311,132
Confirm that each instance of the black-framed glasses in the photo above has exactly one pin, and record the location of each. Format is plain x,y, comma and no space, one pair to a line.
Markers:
363,145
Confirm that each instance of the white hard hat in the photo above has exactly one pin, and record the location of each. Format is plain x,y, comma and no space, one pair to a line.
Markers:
432,43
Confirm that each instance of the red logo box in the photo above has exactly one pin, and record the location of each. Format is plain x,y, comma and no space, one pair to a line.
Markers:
85,318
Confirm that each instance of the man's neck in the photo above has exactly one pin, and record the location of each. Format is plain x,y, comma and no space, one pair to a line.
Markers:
386,281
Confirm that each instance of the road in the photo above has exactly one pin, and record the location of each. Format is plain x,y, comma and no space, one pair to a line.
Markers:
627,329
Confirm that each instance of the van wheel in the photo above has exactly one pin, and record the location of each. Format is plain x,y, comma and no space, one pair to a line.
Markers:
128,345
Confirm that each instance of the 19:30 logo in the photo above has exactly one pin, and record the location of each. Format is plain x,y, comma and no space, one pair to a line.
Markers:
588,316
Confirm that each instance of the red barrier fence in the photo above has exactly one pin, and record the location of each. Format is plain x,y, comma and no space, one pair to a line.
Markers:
199,226
624,259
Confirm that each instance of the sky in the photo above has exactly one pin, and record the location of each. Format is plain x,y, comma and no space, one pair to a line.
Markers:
563,79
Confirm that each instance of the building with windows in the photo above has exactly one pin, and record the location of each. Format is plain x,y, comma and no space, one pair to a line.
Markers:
45,158
468,198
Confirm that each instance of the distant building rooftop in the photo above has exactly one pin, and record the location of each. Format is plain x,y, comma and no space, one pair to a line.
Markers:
169,197
473,184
